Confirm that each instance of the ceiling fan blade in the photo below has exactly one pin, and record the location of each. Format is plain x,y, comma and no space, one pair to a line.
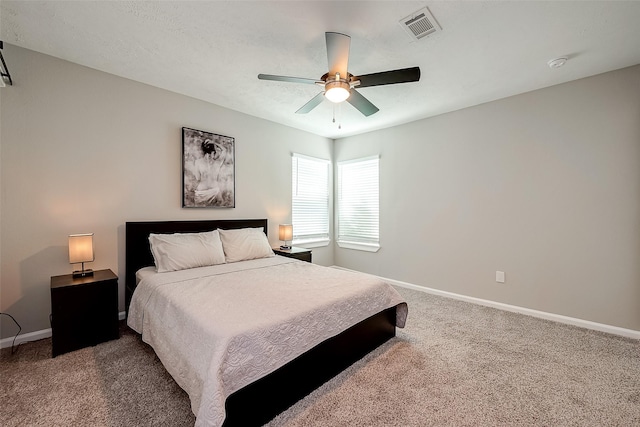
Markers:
361,103
338,53
287,79
405,75
313,103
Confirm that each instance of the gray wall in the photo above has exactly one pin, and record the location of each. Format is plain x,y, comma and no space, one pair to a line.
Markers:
544,186
85,151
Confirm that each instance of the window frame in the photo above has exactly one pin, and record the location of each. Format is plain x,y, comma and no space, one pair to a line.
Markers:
364,243
318,239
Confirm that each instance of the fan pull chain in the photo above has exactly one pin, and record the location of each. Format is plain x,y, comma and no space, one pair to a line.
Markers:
339,115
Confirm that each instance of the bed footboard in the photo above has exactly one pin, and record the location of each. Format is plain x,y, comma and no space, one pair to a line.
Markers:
260,401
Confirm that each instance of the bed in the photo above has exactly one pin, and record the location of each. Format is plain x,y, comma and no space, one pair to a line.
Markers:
250,387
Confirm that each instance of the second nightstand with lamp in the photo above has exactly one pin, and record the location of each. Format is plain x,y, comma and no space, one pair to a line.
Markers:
285,233
84,304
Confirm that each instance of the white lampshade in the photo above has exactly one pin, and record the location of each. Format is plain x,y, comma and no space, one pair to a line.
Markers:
81,248
286,232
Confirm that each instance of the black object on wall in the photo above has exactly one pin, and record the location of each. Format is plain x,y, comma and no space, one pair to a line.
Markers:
4,71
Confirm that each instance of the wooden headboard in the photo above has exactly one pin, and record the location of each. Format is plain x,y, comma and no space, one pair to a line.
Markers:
138,253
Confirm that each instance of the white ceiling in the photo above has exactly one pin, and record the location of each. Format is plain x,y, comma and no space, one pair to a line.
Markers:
214,50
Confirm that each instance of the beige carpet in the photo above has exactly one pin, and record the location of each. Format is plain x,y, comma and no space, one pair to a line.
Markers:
456,364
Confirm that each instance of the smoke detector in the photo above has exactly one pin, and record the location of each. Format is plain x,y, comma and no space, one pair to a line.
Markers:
420,23
558,62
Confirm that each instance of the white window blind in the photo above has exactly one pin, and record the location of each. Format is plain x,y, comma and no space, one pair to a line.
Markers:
310,200
358,204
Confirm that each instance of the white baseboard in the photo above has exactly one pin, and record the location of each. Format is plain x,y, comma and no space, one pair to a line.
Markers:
629,333
36,335
31,336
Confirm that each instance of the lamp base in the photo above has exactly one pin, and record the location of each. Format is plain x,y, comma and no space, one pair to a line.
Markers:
285,247
82,273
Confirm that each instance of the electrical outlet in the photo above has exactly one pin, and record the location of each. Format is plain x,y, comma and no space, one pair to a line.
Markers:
500,276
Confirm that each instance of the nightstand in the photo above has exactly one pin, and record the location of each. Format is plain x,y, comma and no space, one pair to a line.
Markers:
298,253
84,310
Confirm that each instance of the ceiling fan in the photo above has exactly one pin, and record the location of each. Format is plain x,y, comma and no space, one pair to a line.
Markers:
339,85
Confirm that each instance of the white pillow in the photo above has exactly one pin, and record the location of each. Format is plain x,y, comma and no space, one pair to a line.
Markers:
245,243
178,251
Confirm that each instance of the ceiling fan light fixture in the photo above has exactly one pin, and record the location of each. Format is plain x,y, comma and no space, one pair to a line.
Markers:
337,91
340,85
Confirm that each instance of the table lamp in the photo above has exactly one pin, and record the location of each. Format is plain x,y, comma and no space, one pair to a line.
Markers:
286,234
81,251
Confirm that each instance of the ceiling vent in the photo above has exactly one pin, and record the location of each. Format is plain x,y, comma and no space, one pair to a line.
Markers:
420,24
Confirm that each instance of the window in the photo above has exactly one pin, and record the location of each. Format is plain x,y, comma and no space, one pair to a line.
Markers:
358,204
310,200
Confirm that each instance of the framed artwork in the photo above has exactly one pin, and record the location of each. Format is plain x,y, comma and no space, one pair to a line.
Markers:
208,170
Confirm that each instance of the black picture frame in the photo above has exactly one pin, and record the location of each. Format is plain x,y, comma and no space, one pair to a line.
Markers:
208,170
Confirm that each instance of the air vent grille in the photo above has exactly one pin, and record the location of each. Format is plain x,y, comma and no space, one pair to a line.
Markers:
420,24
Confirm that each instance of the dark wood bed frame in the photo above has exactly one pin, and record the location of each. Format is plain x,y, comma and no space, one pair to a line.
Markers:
262,400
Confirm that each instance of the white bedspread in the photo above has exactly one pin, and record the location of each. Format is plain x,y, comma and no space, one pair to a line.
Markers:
217,329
